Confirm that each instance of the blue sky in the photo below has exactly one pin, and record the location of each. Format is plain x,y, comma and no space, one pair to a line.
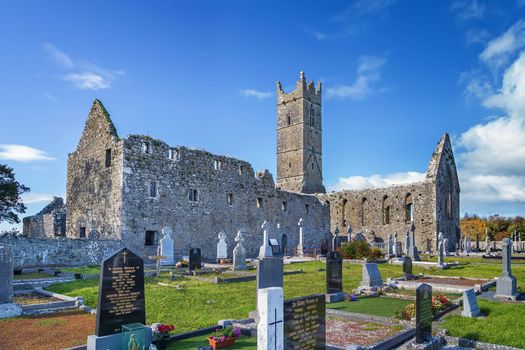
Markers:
396,75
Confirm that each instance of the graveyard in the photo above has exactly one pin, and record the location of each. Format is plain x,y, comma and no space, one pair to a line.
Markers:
365,318
248,175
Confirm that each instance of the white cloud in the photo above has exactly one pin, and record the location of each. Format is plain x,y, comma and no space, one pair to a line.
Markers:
492,153
36,198
374,181
364,7
468,9
259,95
58,56
89,81
82,74
500,48
368,72
22,153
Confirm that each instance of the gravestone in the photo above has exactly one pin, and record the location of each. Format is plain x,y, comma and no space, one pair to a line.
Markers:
305,323
423,313
396,252
6,274
441,244
276,250
506,283
445,246
336,240
413,253
195,259
407,266
477,242
470,304
487,243
265,249
349,233
222,247
239,253
407,241
300,251
166,247
390,249
399,249
334,277
121,293
371,278
270,327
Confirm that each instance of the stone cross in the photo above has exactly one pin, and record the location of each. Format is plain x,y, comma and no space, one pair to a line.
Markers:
266,249
395,251
222,246
300,251
413,253
335,239
390,245
407,242
239,253
349,233
166,244
440,244
506,284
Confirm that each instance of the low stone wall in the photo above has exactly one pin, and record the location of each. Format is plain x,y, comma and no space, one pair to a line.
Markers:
40,252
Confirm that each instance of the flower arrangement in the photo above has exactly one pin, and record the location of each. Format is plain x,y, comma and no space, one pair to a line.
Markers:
161,331
439,303
224,339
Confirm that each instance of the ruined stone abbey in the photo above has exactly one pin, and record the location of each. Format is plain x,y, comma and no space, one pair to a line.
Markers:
129,188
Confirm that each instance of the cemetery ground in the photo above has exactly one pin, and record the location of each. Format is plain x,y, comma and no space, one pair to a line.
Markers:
197,303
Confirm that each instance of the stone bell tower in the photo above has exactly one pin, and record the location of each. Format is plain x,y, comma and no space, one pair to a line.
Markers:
299,138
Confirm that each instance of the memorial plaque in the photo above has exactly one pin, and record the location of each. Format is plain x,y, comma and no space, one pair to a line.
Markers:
121,293
423,313
334,273
304,323
195,258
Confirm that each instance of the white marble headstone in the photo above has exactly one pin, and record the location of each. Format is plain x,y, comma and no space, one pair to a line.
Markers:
166,247
222,246
270,328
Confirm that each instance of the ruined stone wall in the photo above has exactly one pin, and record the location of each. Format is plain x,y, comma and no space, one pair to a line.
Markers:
49,222
62,251
230,197
94,186
366,211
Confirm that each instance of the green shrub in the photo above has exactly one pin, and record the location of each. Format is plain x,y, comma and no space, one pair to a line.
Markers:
360,250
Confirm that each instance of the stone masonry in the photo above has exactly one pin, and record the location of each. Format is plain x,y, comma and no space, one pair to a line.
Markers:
433,205
147,185
127,189
49,222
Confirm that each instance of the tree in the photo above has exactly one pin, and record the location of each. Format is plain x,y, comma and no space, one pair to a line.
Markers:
10,196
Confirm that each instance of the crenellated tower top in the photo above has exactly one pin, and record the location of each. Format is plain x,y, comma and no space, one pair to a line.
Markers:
302,90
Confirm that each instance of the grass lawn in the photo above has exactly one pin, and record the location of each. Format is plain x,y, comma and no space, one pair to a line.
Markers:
87,270
243,343
376,306
505,324
202,304
31,275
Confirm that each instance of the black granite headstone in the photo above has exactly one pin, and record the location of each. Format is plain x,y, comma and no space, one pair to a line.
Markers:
121,292
304,323
324,247
407,265
423,313
334,273
195,258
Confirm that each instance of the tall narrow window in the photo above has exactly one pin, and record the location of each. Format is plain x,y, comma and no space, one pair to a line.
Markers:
387,215
284,206
409,208
193,195
173,154
363,211
146,147
149,238
306,208
259,202
289,120
108,157
82,232
229,198
449,205
343,212
217,164
153,189
241,170
386,211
